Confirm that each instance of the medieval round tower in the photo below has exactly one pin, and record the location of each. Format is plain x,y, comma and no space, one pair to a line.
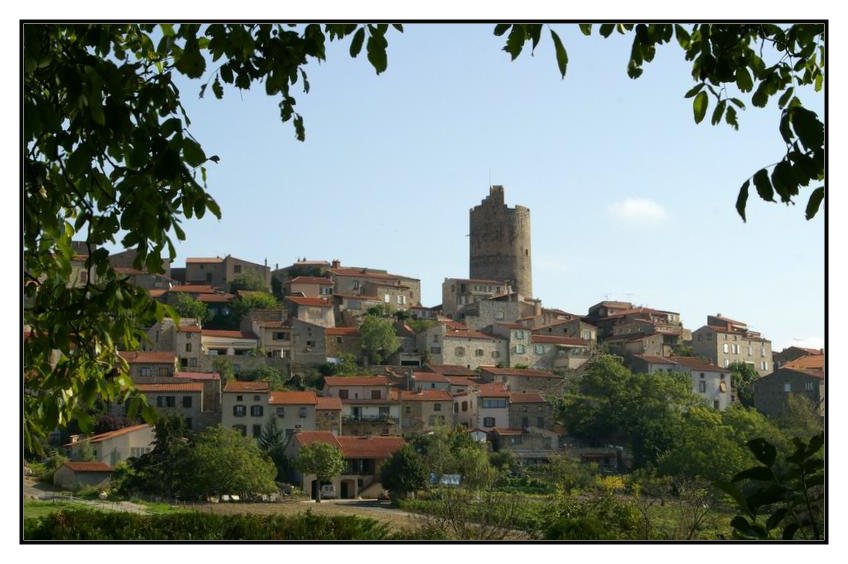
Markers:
499,240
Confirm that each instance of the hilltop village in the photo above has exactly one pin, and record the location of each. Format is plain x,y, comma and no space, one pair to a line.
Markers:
349,356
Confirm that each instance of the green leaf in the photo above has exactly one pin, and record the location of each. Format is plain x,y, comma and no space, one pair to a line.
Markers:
683,37
730,118
217,89
718,112
760,97
743,79
755,473
500,29
699,106
766,496
607,29
561,55
763,450
376,48
775,518
790,530
783,181
733,491
814,202
191,63
515,41
694,90
356,42
193,153
585,29
784,99
807,126
764,189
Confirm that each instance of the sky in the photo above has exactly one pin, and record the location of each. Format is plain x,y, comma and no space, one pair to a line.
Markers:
629,198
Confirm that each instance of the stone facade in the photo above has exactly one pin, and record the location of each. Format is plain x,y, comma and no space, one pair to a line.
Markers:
771,391
500,242
724,341
459,292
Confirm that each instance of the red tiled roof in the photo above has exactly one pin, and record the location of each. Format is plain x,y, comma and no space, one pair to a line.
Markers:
696,363
462,381
306,438
270,324
204,260
527,372
469,334
355,381
654,359
511,325
79,466
451,370
526,397
328,404
112,434
350,331
147,357
429,377
426,395
157,292
311,302
554,340
369,447
188,329
187,387
198,375
292,398
235,386
809,362
493,390
311,280
194,289
455,325
818,374
228,334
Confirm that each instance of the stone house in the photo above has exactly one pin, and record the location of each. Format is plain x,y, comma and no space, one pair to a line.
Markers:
724,341
710,382
370,405
459,292
429,381
328,414
317,311
425,410
350,308
530,410
792,353
113,447
655,344
364,456
309,286
575,328
483,407
517,337
501,309
150,363
126,259
453,343
309,343
219,272
389,288
340,341
73,475
523,379
552,352
293,411
182,399
771,391
244,406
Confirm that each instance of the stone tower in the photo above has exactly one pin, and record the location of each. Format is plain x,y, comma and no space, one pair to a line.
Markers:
500,242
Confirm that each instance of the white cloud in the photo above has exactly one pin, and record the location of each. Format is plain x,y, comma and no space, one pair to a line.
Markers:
638,211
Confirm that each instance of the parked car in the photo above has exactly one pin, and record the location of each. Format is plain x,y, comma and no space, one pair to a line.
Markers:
328,491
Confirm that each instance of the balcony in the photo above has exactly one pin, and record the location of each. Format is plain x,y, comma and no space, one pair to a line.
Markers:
369,419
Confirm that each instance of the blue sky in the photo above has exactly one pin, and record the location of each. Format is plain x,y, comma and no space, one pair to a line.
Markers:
629,198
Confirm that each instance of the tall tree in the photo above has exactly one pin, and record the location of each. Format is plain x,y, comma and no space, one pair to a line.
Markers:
403,473
379,339
187,306
742,378
321,459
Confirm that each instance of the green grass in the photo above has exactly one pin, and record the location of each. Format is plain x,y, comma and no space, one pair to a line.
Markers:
35,508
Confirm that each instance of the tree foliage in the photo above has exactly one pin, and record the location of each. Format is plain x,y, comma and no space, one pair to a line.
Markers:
187,306
250,280
379,340
321,459
731,61
742,378
108,157
403,473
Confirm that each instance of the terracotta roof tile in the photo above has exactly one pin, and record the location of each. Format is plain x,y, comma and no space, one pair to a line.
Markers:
148,357
215,298
426,395
503,431
189,329
311,302
292,398
228,334
356,381
809,362
470,334
525,372
311,280
193,289
112,434
369,447
237,386
429,377
554,340
493,390
349,331
306,438
526,397
206,260
198,375
157,292
328,404
451,370
79,466
654,359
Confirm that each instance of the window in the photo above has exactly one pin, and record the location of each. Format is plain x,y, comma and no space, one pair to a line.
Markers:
83,276
519,349
343,394
164,372
239,411
716,404
239,398
496,354
281,412
499,315
256,398
236,269
187,401
809,386
146,371
188,347
387,298
256,411
478,352
257,430
726,346
459,351
465,406
436,350
356,284
787,387
722,376
726,362
540,422
401,300
493,403
750,350
702,387
437,407
525,422
540,349
407,409
456,408
375,394
488,422
279,336
338,340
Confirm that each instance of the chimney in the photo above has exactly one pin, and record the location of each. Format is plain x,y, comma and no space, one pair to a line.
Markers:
336,263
